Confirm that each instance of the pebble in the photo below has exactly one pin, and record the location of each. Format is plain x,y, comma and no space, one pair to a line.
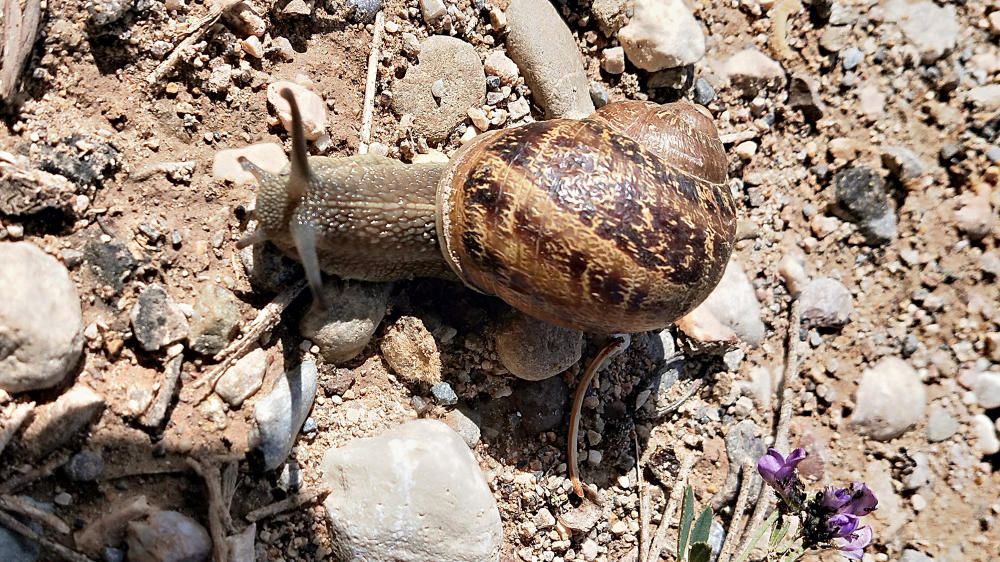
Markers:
86,160
85,466
29,191
851,57
803,95
463,425
662,34
733,305
168,536
589,549
457,65
986,97
534,350
902,163
544,519
987,390
871,102
311,107
860,193
704,93
518,108
598,94
890,400
974,215
253,47
156,320
550,62
613,60
932,29
411,45
354,312
432,11
244,379
363,11
479,118
498,64
41,326
411,351
63,499
985,435
910,555
216,319
542,405
746,149
751,71
792,270
444,394
269,156
290,478
919,474
940,425
407,494
107,12
825,303
55,423
279,416
611,15
220,79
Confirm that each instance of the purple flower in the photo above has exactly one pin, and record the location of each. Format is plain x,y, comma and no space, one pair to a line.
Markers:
853,545
842,525
779,473
858,499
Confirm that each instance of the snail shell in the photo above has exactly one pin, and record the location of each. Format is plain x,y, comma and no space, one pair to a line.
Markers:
620,222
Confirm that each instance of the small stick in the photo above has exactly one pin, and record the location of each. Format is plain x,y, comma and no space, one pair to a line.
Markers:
369,104
16,415
44,471
193,35
64,552
616,345
219,521
643,502
733,536
267,318
17,504
669,408
660,539
171,379
291,502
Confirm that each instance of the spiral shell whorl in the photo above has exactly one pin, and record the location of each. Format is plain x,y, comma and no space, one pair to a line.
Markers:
577,224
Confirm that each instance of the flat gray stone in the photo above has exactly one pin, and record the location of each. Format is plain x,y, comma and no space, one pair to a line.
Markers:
41,327
413,493
156,319
534,350
932,29
890,400
825,303
279,416
354,313
243,379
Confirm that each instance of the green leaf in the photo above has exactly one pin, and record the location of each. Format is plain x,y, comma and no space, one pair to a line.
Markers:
702,527
687,515
758,532
778,534
700,552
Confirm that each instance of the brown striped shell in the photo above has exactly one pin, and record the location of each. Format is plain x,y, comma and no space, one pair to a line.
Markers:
620,222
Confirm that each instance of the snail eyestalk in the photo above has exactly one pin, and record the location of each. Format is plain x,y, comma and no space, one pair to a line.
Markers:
300,175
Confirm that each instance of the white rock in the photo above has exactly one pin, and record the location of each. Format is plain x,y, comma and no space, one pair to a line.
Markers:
412,493
662,34
825,303
613,61
890,400
733,304
751,70
987,390
498,64
932,29
986,435
41,327
432,11
311,106
269,156
253,47
57,422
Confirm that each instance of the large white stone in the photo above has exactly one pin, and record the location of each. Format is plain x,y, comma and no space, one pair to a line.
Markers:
891,399
662,34
311,107
414,493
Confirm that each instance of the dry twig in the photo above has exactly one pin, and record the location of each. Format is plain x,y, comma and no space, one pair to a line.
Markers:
643,502
733,536
291,502
17,482
17,504
660,539
192,36
369,105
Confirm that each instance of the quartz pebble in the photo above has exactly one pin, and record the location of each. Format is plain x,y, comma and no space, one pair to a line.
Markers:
890,400
244,379
613,60
940,425
41,326
445,494
499,65
411,351
168,536
733,307
54,424
311,107
825,303
934,30
987,390
985,435
751,71
268,156
662,34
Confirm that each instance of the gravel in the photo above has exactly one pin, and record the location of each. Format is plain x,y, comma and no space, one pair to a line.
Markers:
861,196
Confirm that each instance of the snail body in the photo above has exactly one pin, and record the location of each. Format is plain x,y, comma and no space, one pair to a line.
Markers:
619,222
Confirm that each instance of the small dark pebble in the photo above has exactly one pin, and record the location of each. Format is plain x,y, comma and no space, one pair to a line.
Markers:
338,382
860,193
83,159
444,394
85,466
363,11
910,345
704,93
112,554
112,262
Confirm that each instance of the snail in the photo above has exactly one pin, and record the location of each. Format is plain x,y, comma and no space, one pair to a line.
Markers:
617,223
